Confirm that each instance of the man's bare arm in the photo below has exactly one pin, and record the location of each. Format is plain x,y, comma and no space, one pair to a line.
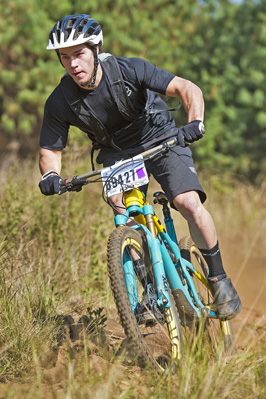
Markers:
50,160
191,96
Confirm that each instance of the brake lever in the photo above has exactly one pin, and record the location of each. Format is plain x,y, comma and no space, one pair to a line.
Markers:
63,186
73,185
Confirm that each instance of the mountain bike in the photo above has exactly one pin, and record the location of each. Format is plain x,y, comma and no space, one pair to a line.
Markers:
159,284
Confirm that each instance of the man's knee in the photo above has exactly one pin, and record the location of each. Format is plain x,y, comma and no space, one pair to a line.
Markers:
117,203
188,204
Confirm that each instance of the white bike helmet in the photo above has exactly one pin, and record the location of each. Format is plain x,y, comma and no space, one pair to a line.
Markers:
73,30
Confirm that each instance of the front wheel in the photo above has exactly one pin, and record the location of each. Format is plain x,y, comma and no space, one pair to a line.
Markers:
155,335
215,328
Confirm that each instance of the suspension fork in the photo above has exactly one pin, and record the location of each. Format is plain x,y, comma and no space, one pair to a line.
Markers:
156,255
137,206
140,209
158,267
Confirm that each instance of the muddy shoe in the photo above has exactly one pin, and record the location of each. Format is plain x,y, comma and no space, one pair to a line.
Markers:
225,298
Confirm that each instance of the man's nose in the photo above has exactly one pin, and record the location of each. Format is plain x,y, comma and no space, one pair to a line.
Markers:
73,62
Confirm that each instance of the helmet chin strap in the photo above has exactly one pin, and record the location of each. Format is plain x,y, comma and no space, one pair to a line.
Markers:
96,63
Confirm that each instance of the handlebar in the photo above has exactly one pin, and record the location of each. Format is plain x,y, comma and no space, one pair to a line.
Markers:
77,182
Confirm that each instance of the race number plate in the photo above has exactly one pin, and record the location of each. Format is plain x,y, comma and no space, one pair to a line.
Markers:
124,175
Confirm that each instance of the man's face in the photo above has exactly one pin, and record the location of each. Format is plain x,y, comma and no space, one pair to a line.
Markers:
79,63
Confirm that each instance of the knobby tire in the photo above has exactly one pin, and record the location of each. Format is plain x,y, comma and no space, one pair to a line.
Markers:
215,328
157,343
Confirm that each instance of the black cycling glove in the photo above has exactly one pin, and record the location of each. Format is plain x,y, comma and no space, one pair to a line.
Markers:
49,185
191,132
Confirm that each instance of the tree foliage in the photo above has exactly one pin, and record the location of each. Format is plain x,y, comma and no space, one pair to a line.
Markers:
219,45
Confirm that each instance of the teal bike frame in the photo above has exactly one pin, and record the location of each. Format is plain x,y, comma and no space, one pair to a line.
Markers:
170,269
164,268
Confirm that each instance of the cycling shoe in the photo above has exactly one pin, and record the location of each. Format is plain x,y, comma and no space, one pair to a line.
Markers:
225,297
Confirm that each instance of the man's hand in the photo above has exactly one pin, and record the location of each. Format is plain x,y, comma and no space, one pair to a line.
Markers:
191,132
49,184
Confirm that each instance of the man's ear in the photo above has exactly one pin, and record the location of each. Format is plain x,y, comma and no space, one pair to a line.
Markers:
58,55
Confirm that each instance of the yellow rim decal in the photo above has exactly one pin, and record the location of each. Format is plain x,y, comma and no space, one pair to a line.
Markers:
225,328
175,343
132,243
173,334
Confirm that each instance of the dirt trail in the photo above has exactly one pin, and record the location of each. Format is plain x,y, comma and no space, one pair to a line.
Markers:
55,363
250,325
248,273
249,278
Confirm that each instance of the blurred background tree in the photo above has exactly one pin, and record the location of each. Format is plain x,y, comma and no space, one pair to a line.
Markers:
219,45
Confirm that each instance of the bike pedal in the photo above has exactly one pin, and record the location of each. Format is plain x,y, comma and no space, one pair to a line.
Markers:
146,318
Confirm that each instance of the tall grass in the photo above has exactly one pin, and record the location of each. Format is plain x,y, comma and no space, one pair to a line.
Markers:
54,338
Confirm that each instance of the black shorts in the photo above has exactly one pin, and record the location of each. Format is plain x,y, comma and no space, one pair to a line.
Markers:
174,171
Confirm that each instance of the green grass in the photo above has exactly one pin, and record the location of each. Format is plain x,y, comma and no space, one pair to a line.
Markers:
55,299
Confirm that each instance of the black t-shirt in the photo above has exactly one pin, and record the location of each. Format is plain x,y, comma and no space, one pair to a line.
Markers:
143,81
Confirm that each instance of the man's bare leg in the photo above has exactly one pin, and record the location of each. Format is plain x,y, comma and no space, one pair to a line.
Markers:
203,233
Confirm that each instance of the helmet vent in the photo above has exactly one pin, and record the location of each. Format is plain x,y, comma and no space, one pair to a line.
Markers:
70,23
78,31
83,22
92,30
67,33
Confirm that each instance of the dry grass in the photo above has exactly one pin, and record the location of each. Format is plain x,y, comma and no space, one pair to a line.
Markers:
52,272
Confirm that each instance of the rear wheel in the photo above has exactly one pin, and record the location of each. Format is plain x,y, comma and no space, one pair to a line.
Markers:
154,335
215,328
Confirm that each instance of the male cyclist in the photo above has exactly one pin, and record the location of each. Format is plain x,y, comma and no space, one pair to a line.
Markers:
77,40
